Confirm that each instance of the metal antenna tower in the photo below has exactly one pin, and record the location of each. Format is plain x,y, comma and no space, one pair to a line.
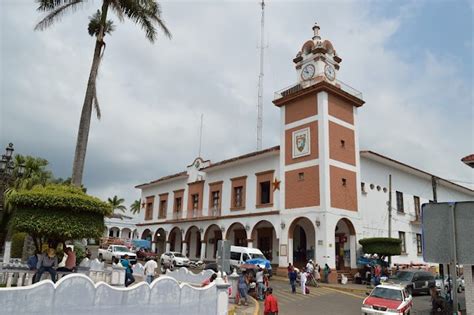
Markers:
260,81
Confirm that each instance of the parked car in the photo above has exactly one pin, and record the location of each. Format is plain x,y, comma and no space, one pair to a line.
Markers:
415,281
176,259
388,299
444,284
143,253
118,252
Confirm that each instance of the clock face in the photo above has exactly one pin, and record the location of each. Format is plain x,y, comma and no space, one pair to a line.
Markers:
308,72
330,72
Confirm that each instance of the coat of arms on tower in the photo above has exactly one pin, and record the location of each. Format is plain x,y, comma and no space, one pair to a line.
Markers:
301,143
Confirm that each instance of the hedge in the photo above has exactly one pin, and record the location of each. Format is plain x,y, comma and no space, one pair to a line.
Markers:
57,224
18,240
383,246
58,197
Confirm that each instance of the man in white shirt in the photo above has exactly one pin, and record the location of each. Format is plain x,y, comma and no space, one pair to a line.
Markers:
260,286
310,267
150,267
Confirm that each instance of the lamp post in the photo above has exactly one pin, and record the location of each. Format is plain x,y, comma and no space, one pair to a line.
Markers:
7,176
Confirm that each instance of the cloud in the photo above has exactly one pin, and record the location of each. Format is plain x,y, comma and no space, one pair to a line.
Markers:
417,111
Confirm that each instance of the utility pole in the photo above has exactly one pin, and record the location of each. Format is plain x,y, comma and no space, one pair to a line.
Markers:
434,185
389,212
260,82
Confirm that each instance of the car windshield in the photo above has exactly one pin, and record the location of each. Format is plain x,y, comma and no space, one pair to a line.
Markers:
253,256
386,293
121,249
178,255
403,276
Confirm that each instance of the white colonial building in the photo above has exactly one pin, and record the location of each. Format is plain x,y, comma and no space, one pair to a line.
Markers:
313,196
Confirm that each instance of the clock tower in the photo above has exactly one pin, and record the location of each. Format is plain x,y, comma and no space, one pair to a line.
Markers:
317,60
319,158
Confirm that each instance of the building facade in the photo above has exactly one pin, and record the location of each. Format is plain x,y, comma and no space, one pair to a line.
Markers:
312,197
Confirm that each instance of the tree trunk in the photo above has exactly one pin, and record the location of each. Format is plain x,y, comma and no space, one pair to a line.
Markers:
85,122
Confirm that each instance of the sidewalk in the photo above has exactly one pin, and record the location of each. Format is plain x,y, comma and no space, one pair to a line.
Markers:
252,309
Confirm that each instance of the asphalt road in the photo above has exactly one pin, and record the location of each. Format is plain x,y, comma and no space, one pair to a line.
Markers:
329,301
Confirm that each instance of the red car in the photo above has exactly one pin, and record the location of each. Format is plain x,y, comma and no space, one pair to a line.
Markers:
143,253
388,299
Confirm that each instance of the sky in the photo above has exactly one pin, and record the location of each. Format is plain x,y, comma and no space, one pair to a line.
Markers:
412,60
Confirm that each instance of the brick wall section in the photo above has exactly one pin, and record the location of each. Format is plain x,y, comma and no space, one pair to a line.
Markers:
302,193
343,197
469,284
313,130
195,188
301,108
337,151
341,109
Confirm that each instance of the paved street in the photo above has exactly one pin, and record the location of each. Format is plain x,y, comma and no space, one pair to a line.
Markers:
329,301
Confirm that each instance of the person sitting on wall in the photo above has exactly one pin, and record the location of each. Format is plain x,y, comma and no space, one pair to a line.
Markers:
209,280
47,262
70,265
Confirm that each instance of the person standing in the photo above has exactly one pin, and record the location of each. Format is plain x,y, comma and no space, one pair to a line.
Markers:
260,286
47,262
317,274
129,278
243,288
150,267
292,275
303,278
310,267
270,304
290,267
326,271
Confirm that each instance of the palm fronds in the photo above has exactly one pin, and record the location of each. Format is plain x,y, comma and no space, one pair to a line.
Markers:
57,9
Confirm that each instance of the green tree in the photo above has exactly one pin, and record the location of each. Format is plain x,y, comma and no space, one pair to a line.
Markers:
135,206
382,246
35,173
57,213
116,203
146,13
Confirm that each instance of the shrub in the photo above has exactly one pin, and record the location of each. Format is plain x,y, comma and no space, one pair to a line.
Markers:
18,240
383,246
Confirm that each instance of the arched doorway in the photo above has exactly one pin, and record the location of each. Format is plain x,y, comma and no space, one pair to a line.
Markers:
126,233
345,245
146,235
160,241
212,235
237,235
301,241
193,238
114,232
176,240
264,238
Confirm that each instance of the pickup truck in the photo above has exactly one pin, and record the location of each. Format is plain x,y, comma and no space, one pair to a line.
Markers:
117,251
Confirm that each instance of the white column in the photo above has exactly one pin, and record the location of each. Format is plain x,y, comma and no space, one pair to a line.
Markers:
7,253
353,247
203,251
168,246
250,243
185,247
153,247
290,250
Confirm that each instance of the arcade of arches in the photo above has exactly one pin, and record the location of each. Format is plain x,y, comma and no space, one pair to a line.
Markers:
200,243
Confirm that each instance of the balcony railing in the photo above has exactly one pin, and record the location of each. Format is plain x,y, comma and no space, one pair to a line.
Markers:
214,212
194,214
317,78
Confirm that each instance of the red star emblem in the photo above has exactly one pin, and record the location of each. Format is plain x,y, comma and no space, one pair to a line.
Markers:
276,184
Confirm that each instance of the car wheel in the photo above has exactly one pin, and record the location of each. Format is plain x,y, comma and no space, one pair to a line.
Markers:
161,262
174,264
100,257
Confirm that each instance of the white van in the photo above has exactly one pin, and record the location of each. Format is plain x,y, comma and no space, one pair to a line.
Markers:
239,255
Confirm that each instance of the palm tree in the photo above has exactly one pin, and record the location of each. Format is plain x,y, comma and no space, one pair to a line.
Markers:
146,13
135,207
116,203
